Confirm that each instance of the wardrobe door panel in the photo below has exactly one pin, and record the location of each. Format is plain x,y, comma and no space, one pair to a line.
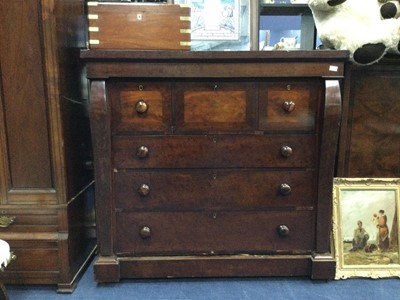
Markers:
23,95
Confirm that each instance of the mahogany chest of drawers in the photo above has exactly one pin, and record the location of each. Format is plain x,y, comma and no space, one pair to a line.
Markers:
214,164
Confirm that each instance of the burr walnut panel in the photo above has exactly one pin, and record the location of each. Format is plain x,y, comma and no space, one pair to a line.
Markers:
214,106
370,136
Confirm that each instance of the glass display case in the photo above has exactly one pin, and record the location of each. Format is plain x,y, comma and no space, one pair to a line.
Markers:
229,25
286,25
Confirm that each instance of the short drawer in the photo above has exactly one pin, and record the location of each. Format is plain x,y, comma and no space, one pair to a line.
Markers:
289,105
34,255
180,190
29,220
213,232
246,151
215,106
140,106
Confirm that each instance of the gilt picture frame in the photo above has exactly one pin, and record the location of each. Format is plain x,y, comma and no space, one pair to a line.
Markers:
366,227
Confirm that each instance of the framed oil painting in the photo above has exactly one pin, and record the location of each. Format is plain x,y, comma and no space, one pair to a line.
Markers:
366,227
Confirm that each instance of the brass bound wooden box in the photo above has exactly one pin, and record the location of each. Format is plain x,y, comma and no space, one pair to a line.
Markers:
121,25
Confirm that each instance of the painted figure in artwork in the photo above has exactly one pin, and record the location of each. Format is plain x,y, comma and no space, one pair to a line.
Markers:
360,237
383,230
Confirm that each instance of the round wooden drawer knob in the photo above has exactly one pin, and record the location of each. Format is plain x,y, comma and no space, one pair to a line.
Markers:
285,189
141,107
286,151
143,190
142,152
289,106
283,230
145,232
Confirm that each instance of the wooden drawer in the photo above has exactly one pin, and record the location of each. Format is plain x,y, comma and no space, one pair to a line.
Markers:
219,151
213,232
34,255
182,190
215,106
31,220
289,105
38,259
140,106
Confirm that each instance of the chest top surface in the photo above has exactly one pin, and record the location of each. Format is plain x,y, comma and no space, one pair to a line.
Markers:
175,64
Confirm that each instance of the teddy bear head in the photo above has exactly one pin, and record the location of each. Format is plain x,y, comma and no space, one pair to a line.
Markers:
356,26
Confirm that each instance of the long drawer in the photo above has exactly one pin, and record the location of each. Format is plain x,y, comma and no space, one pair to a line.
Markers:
216,189
214,151
226,232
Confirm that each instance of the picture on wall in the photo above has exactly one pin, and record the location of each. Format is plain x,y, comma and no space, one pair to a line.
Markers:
366,227
219,25
215,20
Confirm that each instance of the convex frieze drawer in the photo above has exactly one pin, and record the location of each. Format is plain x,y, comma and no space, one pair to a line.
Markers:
219,105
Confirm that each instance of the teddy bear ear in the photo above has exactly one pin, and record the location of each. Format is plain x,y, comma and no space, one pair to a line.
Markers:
388,10
369,53
335,2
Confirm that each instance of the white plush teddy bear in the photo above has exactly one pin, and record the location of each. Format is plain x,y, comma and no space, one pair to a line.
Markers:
356,26
390,9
